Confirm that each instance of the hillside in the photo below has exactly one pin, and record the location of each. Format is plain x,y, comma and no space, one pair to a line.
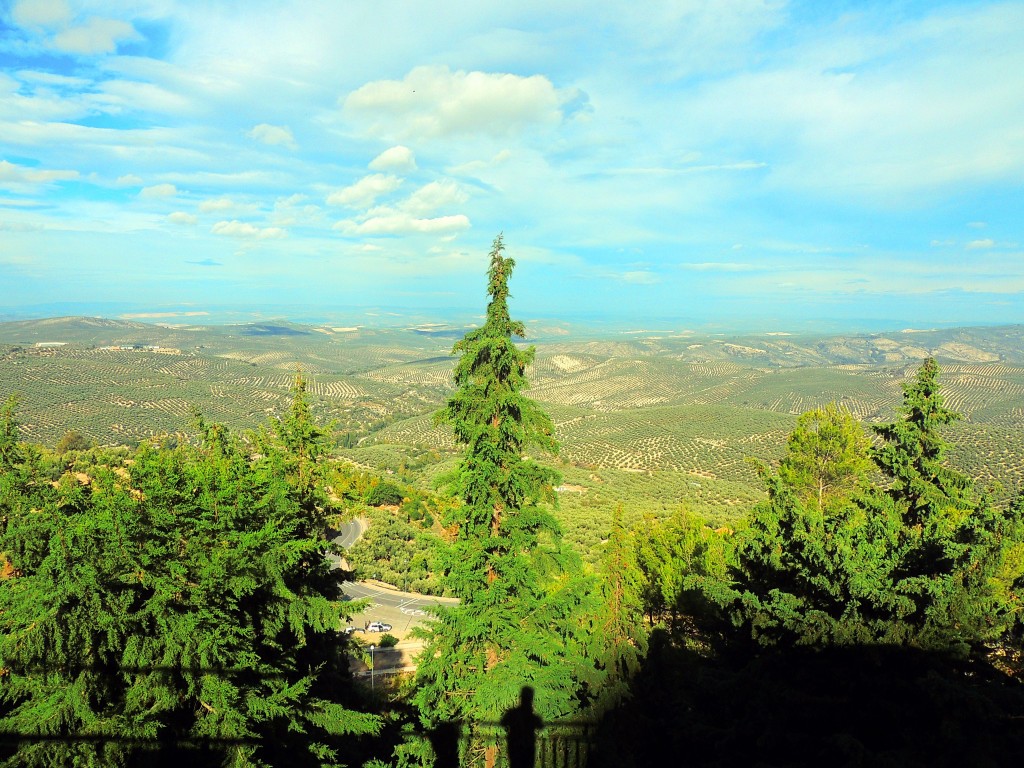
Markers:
650,421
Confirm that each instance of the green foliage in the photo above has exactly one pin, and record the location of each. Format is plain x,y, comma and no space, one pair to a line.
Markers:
73,440
348,483
914,450
397,552
10,453
180,597
952,543
295,448
678,556
620,632
384,494
521,621
826,457
830,559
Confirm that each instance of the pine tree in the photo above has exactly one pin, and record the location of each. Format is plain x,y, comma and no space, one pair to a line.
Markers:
620,633
827,456
178,599
520,588
914,451
952,544
831,559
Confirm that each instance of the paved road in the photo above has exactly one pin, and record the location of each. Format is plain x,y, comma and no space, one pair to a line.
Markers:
348,535
350,532
402,610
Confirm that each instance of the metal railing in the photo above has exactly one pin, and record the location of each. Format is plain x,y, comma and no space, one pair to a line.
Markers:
550,745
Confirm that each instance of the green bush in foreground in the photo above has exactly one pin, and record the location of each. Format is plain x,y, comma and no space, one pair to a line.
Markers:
181,602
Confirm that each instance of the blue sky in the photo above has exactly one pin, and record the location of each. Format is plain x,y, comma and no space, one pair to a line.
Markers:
761,165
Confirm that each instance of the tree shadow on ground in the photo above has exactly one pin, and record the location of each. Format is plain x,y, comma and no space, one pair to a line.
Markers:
860,706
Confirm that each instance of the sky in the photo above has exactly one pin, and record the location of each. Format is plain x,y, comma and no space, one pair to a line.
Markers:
725,164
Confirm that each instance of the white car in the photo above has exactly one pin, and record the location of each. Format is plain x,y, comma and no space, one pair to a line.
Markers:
378,626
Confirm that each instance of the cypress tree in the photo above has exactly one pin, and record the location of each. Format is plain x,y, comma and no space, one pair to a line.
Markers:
620,632
518,624
10,454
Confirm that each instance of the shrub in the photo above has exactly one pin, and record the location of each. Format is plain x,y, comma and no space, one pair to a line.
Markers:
384,494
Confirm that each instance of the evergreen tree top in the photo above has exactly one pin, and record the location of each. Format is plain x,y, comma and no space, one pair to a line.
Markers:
499,321
913,454
920,415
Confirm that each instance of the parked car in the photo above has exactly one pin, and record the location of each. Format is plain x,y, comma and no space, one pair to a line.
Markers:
350,630
378,626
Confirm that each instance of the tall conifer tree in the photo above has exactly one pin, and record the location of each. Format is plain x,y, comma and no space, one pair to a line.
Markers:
953,543
621,633
518,622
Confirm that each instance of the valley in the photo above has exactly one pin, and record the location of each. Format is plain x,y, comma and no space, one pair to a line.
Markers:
647,421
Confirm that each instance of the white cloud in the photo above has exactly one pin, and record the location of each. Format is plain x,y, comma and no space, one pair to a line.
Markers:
294,210
217,204
128,180
95,36
14,202
432,196
11,173
49,78
403,224
722,266
434,101
397,158
850,111
365,191
158,190
41,13
180,217
274,135
244,229
478,167
640,277
133,96
985,243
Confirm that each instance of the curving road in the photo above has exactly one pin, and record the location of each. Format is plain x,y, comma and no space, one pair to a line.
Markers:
350,532
402,610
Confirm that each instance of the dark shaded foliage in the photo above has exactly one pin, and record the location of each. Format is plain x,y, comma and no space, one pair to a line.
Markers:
850,706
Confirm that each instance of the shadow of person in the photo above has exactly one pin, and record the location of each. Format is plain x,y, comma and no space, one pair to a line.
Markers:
521,725
444,740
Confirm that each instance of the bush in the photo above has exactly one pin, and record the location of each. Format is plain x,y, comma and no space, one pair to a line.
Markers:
73,441
384,494
387,640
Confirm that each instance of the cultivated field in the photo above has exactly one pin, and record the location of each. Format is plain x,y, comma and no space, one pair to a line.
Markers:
649,423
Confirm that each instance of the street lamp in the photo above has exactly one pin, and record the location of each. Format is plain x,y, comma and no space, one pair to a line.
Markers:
372,646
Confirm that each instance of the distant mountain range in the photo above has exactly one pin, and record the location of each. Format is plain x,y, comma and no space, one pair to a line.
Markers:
985,344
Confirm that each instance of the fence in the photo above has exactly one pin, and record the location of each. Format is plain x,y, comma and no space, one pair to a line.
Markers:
503,745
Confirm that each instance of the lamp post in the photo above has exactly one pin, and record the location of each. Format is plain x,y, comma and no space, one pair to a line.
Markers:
372,646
